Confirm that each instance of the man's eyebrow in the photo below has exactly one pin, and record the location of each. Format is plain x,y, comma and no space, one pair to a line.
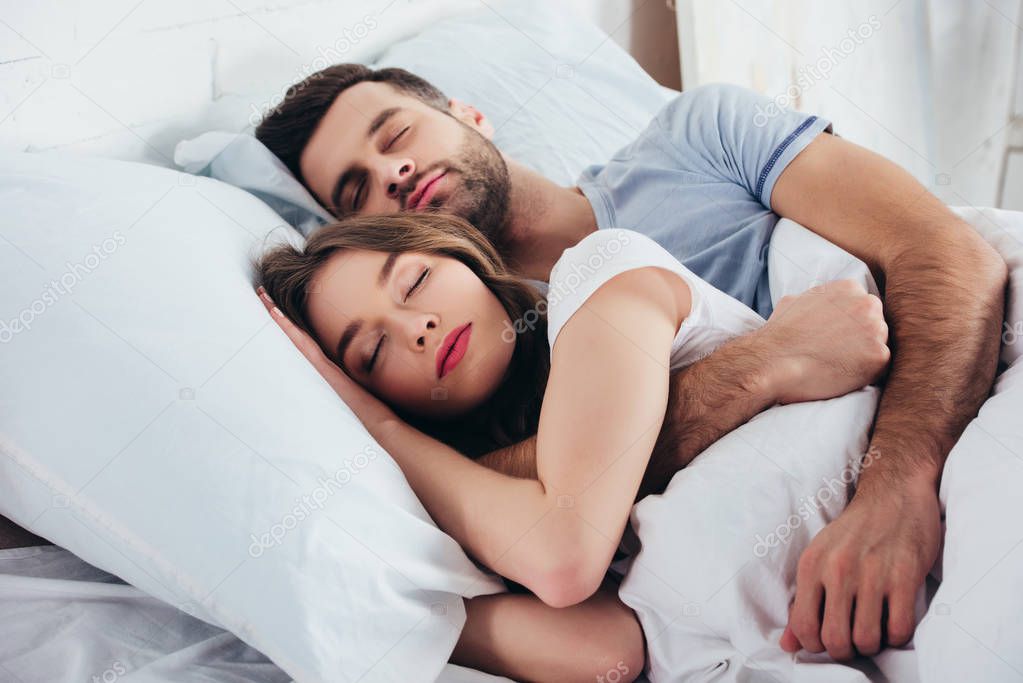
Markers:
376,124
380,119
353,327
346,339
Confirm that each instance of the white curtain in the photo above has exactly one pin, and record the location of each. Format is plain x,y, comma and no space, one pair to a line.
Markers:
926,83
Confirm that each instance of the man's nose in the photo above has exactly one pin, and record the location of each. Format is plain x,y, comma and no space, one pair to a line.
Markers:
397,175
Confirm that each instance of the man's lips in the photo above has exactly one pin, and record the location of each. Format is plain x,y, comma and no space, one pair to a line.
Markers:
453,349
424,192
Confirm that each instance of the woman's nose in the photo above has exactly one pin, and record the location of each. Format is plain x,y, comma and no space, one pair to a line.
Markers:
400,175
425,328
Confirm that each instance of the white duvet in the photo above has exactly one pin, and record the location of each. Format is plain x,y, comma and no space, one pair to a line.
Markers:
715,576
713,580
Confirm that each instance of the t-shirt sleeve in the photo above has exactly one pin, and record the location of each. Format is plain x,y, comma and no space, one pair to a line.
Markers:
735,134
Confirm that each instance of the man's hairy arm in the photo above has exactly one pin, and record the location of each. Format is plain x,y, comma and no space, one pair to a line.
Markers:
820,344
944,298
517,460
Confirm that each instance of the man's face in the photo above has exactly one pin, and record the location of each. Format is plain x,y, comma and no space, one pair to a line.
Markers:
378,150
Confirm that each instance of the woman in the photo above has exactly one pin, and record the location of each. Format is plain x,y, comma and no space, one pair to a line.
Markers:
420,329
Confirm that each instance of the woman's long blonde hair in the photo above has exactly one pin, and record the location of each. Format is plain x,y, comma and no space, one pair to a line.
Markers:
513,412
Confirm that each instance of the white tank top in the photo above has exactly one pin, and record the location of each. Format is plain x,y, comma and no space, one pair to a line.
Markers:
715,316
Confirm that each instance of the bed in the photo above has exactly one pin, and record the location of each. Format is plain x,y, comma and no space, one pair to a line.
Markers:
149,604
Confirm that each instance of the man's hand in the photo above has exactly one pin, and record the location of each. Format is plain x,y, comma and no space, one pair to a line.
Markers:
826,342
874,556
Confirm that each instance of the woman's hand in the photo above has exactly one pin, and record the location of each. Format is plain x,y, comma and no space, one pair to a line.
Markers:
365,406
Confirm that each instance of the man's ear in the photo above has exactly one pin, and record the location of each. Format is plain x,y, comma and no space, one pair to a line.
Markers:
472,117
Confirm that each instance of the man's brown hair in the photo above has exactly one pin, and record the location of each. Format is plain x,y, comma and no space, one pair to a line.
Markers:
286,129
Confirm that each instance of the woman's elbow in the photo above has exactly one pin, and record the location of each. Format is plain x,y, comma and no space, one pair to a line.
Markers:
568,578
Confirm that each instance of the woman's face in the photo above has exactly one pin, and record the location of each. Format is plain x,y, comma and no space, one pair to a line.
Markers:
422,332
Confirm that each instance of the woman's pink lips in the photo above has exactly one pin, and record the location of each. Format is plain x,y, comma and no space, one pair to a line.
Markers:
423,198
453,349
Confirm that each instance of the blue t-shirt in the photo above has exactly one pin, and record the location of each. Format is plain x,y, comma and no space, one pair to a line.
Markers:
698,181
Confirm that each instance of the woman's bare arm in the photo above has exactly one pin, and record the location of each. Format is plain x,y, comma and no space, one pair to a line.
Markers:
555,535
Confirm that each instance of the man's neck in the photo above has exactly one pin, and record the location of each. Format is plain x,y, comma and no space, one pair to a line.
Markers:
545,219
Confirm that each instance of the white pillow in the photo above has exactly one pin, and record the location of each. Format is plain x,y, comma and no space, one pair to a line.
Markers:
156,423
243,161
560,93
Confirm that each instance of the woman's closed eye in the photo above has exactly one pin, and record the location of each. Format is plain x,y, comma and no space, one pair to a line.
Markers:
368,365
417,284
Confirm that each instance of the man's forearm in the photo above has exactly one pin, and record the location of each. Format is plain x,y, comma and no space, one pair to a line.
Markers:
706,400
945,306
517,460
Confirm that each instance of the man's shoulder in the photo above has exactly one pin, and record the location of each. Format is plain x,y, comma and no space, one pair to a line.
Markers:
712,104
692,116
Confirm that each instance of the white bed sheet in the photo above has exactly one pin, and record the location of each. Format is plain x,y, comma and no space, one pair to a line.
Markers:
67,621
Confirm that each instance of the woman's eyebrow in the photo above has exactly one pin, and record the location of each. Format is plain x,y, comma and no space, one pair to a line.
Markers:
385,270
346,339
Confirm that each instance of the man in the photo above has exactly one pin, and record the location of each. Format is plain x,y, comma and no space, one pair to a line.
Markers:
708,179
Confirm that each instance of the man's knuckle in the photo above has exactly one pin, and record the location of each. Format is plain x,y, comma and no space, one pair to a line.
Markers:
865,306
840,565
836,643
805,627
881,354
867,639
807,564
900,630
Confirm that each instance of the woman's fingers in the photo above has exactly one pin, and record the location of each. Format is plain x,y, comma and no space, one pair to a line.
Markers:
309,348
265,298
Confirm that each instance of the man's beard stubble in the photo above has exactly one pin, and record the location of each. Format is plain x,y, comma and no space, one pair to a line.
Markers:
482,196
